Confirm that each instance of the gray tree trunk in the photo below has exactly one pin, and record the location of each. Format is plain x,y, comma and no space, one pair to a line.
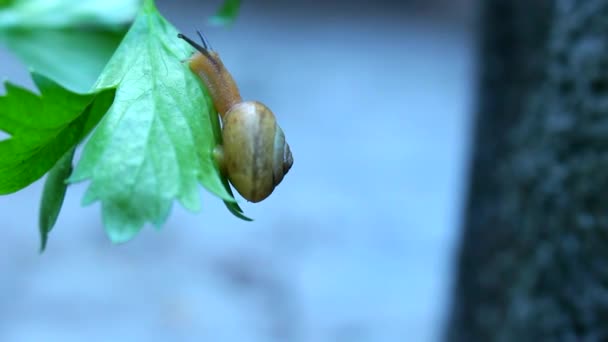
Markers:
533,264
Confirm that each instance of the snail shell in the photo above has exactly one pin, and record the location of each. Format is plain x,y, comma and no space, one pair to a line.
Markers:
256,156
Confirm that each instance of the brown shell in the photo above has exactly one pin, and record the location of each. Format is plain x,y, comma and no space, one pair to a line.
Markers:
256,155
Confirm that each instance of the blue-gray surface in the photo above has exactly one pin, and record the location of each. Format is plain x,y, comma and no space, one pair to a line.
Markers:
357,243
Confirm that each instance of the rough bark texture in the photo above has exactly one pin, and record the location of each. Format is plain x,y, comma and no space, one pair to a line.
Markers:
533,264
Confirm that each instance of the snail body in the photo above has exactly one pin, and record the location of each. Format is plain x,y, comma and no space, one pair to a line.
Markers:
254,154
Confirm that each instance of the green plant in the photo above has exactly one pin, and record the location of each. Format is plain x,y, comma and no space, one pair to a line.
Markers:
121,78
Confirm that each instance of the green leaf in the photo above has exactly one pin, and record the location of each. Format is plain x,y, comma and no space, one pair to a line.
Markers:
72,58
6,3
53,194
45,14
70,41
227,13
233,207
43,128
155,144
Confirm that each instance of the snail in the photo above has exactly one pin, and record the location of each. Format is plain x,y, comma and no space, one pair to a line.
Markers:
254,155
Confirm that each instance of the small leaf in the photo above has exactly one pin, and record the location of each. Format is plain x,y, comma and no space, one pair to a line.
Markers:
53,194
72,58
45,14
6,3
233,207
43,128
227,13
70,41
155,144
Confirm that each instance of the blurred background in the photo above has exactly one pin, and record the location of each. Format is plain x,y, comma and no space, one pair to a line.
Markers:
356,244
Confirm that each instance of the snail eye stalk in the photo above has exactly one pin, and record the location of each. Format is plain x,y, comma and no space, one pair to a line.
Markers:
204,40
195,45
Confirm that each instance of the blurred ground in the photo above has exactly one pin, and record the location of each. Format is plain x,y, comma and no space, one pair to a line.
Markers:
356,243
